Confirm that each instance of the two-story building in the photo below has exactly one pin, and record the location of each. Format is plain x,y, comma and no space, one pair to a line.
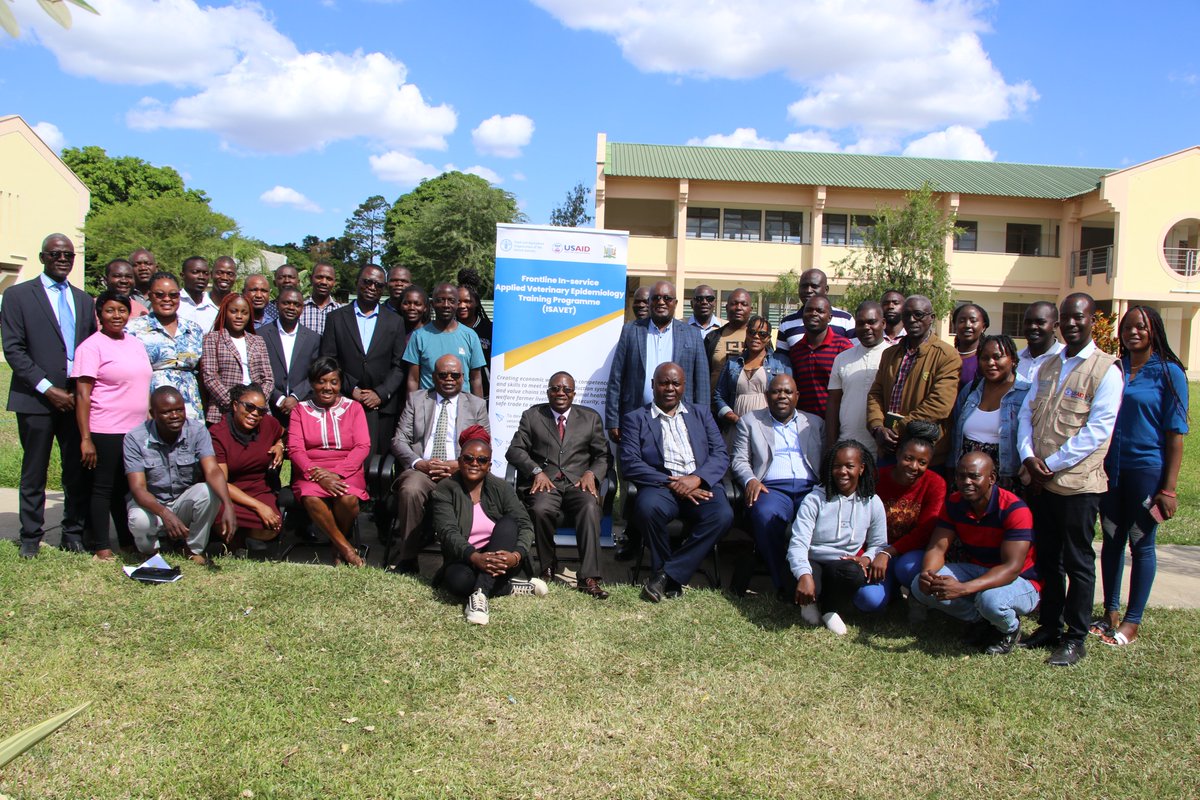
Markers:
738,217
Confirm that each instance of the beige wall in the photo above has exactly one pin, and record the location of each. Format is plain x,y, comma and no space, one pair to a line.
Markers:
38,196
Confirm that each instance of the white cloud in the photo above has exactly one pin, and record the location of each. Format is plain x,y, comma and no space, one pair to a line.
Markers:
249,84
954,142
491,176
402,168
808,140
503,136
49,133
287,196
881,68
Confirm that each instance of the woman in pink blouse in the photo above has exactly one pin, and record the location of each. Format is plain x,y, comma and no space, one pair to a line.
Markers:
328,442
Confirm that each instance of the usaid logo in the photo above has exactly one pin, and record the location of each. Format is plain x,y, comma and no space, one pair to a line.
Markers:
571,248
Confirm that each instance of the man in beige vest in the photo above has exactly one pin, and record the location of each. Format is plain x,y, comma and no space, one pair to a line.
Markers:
1064,429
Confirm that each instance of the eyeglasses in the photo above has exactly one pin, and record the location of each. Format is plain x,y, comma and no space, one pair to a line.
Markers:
370,284
448,375
759,334
704,298
661,298
165,295
482,461
561,390
58,255
917,316
253,409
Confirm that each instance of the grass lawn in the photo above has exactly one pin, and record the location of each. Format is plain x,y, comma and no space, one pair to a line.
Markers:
286,680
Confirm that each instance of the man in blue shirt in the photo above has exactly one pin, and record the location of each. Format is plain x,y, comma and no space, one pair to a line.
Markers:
444,336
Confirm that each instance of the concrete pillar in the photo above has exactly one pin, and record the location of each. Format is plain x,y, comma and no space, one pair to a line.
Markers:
818,221
598,192
1188,347
680,272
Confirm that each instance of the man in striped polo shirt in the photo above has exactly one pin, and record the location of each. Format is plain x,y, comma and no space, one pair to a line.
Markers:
813,354
995,583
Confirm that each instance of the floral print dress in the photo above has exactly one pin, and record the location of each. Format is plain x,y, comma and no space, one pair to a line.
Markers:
175,359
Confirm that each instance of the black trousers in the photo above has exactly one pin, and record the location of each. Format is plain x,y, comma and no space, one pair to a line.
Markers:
1063,529
573,507
38,433
109,487
461,578
836,581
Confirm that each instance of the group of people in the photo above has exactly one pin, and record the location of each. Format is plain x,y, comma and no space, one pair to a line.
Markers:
868,458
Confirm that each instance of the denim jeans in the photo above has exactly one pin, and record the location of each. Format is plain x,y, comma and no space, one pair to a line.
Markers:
1000,606
1123,519
900,572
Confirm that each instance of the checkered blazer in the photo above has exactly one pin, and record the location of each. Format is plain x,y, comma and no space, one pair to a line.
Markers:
221,370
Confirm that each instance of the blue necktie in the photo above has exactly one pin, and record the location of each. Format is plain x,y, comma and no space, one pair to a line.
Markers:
66,319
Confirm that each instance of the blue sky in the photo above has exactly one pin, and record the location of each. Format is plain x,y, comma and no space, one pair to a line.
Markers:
290,114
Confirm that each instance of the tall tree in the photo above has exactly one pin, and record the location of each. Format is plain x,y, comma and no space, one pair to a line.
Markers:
446,224
365,230
573,212
905,250
124,179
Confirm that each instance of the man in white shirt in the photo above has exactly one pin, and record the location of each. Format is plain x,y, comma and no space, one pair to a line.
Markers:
1041,320
194,302
426,449
851,377
1063,433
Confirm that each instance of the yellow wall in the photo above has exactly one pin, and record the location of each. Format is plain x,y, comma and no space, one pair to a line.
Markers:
38,196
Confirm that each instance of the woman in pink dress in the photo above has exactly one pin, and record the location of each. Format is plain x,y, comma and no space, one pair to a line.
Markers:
328,442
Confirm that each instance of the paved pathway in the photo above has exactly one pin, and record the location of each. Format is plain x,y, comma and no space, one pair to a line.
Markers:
1177,584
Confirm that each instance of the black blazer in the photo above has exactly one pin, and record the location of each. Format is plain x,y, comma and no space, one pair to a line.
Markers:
536,444
33,343
293,382
381,369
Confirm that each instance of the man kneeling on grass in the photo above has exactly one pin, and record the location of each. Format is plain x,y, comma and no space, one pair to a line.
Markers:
164,456
995,583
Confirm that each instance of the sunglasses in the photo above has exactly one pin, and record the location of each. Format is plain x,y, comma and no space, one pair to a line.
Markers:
917,316
704,298
661,298
482,461
759,334
253,409
448,375
59,255
165,295
372,284
561,390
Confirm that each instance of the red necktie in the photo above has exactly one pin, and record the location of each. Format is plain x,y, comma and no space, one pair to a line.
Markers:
562,427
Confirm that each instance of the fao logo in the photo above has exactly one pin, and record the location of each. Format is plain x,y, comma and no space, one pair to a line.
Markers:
506,245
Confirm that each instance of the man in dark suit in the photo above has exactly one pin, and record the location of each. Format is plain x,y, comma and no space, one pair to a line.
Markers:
44,320
292,348
425,445
561,456
369,346
672,451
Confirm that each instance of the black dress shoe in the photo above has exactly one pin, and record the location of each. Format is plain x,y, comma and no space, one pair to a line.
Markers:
591,586
1005,644
1042,637
660,587
30,548
1067,654
72,543
628,551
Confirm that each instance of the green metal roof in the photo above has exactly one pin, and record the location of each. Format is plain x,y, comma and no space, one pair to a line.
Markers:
848,170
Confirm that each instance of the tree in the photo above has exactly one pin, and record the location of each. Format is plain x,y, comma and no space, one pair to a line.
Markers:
573,213
785,287
365,230
174,227
124,179
905,250
446,224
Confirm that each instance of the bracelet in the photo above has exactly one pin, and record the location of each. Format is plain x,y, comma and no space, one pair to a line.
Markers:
1167,493
884,553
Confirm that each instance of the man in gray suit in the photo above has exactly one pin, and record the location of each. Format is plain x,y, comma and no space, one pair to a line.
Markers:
426,448
291,348
561,456
776,460
44,320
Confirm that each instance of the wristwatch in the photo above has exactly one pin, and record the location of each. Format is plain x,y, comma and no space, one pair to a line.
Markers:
536,471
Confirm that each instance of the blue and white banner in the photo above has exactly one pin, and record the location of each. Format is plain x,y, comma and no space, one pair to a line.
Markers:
560,305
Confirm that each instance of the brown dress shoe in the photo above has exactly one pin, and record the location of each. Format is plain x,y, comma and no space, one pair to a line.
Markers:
592,586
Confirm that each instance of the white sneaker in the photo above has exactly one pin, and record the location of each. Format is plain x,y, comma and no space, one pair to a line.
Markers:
833,621
810,614
536,587
476,609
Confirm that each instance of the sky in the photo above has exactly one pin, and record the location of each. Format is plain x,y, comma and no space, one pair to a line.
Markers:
291,114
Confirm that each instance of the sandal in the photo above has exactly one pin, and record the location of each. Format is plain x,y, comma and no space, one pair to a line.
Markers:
1117,639
1100,627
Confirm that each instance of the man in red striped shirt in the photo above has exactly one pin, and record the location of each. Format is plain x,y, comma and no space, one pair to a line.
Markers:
812,357
995,583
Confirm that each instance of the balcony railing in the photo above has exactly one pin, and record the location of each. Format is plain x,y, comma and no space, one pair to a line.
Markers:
1093,261
1184,260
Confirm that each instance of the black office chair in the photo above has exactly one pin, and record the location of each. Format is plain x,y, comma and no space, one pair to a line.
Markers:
564,535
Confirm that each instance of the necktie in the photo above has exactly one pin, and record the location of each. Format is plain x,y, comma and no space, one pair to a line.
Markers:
66,319
562,427
439,433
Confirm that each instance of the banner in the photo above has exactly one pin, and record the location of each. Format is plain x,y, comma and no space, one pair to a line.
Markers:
559,305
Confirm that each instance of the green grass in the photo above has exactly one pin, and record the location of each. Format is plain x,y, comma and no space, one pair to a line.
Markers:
264,678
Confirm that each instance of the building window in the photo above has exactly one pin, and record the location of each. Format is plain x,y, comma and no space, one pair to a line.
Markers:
1013,323
833,229
743,223
858,229
703,223
785,226
966,235
1023,239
